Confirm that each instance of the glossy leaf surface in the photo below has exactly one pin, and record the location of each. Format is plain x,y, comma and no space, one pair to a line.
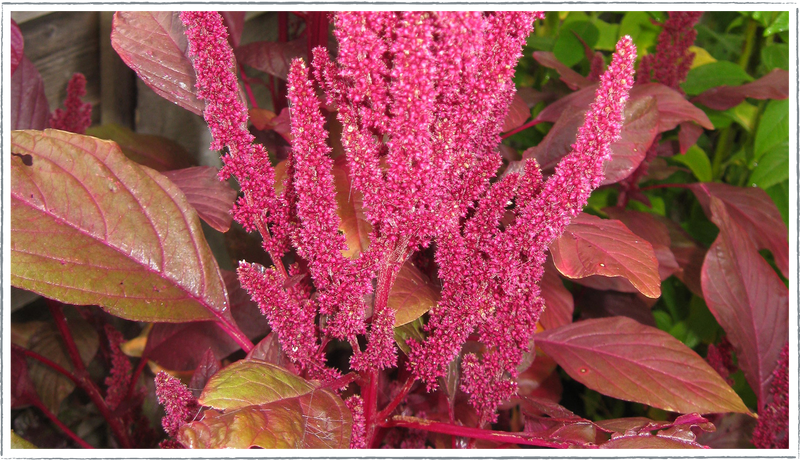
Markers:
594,246
412,295
153,44
747,298
627,360
90,227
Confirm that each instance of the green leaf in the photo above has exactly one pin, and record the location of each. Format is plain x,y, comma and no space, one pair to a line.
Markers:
643,32
745,115
712,75
257,404
773,129
412,295
775,56
568,49
772,169
780,24
18,442
609,34
412,330
780,196
697,161
91,227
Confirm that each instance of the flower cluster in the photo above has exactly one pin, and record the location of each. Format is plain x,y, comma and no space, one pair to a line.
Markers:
490,275
772,431
76,115
672,61
178,402
119,378
259,208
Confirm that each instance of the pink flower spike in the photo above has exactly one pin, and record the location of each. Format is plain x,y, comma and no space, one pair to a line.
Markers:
672,60
179,404
772,431
76,116
120,376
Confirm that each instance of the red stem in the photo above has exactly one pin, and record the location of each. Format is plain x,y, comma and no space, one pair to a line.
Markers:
83,380
136,374
527,125
247,89
52,365
499,437
235,333
340,382
39,405
387,411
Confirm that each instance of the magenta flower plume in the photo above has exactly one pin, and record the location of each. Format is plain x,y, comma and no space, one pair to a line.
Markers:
490,276
358,438
672,60
76,116
772,431
179,404
259,208
119,378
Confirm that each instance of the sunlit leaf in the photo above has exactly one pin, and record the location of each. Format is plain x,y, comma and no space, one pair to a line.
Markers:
623,359
90,227
412,295
594,246
153,44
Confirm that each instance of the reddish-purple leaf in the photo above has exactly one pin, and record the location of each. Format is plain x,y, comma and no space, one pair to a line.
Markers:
609,303
650,442
734,431
747,298
518,112
91,227
536,381
29,109
648,226
572,78
209,365
17,46
558,301
211,198
152,151
21,385
673,108
644,425
626,360
234,22
269,350
246,312
578,432
154,45
688,135
638,132
594,246
774,85
755,212
272,57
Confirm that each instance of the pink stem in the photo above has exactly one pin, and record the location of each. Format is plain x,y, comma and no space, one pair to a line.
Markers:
397,399
52,365
247,89
39,405
527,125
475,433
136,374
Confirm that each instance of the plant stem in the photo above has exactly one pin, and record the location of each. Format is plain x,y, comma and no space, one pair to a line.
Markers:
51,364
384,414
749,44
136,374
724,142
527,125
247,88
236,334
499,437
83,379
39,405
340,382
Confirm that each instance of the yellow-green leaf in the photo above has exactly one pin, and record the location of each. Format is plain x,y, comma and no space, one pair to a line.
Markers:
412,295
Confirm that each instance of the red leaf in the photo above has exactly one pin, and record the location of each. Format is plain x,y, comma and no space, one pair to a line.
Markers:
211,198
572,78
558,301
755,212
734,431
673,109
272,57
21,385
774,85
29,109
747,298
650,442
688,135
518,112
209,365
234,22
609,303
594,246
17,46
638,132
627,360
648,226
269,350
154,45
